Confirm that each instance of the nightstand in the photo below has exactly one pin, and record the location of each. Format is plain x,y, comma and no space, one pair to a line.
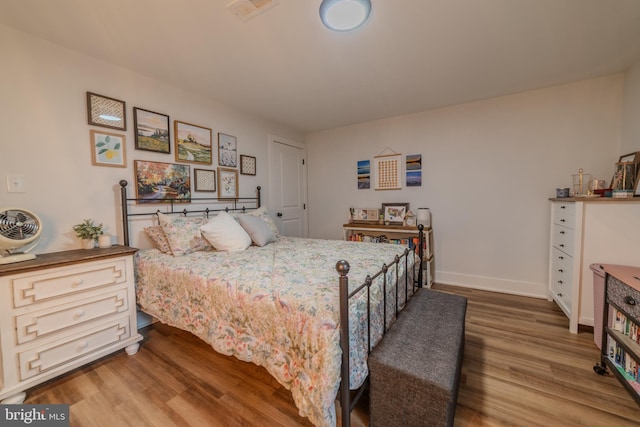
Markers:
63,310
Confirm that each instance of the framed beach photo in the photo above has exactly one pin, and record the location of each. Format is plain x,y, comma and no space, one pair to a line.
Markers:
394,213
247,165
151,131
204,180
193,143
227,150
108,149
106,112
227,183
161,182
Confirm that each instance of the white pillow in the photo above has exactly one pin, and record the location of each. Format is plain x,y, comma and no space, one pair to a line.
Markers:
259,230
225,234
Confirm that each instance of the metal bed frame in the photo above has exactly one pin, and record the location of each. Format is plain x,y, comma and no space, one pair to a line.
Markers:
348,398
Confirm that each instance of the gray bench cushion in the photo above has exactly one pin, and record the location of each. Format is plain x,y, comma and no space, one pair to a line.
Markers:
415,370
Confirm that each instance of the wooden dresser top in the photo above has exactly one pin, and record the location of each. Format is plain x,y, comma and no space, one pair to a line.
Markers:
58,259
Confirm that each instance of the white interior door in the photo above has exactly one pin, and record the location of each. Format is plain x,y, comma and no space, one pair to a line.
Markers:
287,186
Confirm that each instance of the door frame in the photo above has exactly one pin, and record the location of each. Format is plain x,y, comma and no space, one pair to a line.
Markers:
274,139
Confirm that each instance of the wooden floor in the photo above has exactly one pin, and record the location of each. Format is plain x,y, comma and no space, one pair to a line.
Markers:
521,367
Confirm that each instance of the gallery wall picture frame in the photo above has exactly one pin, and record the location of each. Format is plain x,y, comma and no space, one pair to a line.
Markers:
247,165
624,176
108,149
192,143
364,174
204,180
388,168
227,183
394,213
365,215
413,166
635,159
227,150
152,131
158,182
106,112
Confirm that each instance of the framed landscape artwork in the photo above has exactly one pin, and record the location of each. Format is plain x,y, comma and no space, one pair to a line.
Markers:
161,182
193,143
151,131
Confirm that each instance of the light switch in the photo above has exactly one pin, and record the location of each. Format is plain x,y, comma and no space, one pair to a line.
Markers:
15,183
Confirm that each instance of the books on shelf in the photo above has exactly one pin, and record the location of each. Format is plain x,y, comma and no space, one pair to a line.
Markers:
625,364
625,326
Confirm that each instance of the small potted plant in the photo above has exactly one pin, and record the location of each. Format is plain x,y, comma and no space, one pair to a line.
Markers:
88,232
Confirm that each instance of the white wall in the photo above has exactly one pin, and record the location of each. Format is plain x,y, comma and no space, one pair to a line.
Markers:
489,168
45,135
631,111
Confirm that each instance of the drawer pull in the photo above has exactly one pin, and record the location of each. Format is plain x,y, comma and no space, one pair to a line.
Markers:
629,300
82,345
76,283
79,314
561,271
561,257
561,245
562,207
562,220
560,282
560,295
562,232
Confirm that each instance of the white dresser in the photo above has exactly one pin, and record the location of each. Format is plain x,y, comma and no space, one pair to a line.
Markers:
61,311
585,231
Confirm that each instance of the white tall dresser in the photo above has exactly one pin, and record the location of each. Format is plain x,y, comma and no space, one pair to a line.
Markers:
586,231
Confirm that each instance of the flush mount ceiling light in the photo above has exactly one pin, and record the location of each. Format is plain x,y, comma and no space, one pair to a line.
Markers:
344,15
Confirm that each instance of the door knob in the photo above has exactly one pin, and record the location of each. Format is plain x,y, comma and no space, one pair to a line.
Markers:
279,214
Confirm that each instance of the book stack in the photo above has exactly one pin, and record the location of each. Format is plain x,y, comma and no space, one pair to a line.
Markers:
625,364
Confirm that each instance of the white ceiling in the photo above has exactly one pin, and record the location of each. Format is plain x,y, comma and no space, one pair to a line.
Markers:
411,56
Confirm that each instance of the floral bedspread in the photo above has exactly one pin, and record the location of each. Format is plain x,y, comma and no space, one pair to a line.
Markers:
276,306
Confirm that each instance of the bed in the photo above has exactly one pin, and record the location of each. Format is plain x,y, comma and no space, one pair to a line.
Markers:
290,305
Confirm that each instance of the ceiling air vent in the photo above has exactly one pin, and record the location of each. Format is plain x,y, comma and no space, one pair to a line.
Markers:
247,9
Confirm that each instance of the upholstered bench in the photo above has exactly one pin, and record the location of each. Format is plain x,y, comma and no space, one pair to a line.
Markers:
415,369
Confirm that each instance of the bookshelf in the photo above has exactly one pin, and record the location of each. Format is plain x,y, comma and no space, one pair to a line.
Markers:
621,327
397,234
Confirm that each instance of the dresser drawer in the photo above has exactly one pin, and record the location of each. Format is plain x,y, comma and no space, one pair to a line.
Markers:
38,324
563,239
41,359
562,268
34,288
565,214
624,296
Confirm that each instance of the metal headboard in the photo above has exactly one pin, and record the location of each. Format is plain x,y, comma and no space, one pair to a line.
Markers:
177,207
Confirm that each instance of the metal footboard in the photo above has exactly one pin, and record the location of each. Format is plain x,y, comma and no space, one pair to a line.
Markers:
347,401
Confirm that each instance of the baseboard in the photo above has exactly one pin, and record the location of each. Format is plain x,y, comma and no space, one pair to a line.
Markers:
493,284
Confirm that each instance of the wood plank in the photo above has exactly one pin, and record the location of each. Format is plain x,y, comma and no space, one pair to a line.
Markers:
521,367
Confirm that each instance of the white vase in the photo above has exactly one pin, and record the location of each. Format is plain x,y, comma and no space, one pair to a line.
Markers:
88,243
104,241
